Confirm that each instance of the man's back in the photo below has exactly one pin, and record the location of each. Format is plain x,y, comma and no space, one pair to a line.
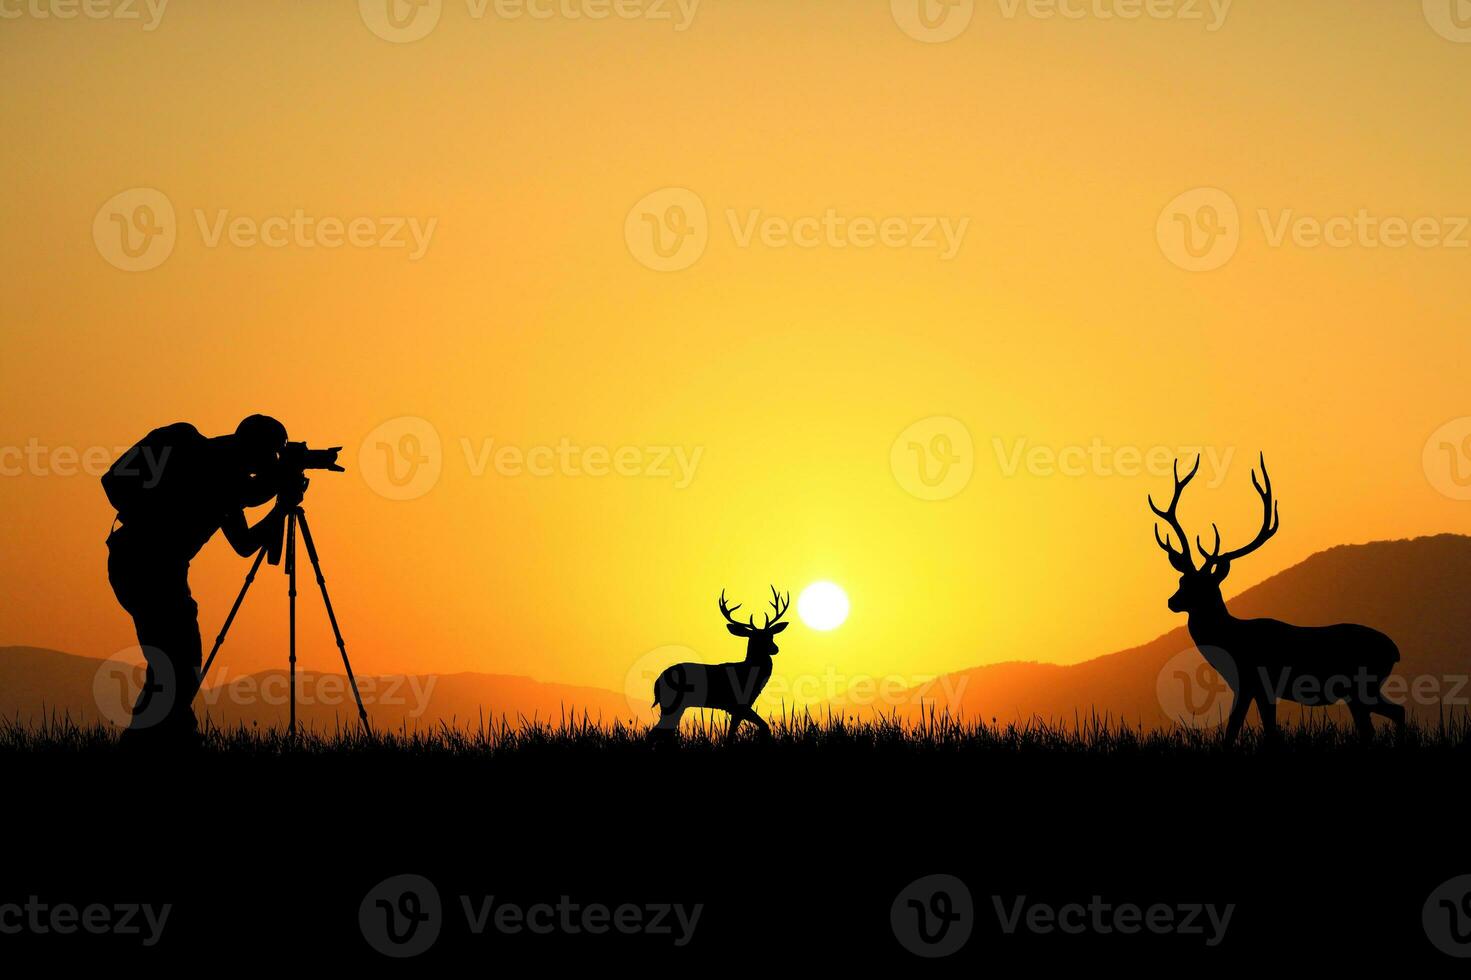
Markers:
172,491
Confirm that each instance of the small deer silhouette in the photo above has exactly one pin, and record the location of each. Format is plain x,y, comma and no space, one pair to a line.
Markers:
731,687
1264,660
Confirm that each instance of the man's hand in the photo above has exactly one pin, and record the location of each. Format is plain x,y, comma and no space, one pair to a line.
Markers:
289,497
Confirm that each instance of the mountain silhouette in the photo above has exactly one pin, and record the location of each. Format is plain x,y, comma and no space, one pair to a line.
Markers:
86,688
1418,591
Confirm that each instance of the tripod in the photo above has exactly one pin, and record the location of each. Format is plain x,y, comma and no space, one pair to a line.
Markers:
294,518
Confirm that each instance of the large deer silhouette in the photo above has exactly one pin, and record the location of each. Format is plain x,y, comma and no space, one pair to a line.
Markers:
1264,660
731,687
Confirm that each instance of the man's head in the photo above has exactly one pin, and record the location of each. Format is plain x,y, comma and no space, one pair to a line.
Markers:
261,440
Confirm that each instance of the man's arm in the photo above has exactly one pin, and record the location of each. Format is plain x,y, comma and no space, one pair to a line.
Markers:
247,540
258,491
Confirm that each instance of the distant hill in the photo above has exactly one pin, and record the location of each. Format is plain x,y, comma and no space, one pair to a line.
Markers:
91,689
1417,591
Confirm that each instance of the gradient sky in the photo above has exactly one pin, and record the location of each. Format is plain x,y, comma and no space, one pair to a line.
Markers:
792,370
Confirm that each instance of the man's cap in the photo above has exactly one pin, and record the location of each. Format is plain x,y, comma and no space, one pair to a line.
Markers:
262,431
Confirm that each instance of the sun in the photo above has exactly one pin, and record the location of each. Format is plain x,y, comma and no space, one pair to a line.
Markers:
823,606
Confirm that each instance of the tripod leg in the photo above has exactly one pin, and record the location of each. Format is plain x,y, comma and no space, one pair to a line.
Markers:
230,619
311,551
291,593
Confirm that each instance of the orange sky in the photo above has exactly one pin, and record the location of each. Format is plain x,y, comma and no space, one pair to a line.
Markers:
784,360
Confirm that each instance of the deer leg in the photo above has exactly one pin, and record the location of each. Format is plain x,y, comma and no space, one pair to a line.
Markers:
1363,721
1394,712
1383,706
1267,709
758,721
736,717
1237,718
667,727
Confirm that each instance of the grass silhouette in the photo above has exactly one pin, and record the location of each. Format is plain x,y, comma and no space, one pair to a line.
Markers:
933,737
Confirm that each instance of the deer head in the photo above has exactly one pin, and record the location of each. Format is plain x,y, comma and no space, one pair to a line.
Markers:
760,640
1200,588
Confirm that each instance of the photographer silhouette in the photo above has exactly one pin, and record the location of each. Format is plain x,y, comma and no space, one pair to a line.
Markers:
173,491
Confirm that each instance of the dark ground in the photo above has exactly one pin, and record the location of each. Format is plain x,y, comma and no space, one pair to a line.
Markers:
796,851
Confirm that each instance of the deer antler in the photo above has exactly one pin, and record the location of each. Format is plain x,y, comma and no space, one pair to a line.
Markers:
726,611
778,603
1181,559
1270,521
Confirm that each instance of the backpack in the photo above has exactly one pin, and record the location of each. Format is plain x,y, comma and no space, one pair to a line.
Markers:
135,485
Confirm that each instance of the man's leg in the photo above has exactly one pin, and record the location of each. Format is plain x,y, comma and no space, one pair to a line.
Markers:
191,657
183,650
167,620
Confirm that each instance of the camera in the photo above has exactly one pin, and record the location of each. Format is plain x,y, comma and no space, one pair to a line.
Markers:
296,459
